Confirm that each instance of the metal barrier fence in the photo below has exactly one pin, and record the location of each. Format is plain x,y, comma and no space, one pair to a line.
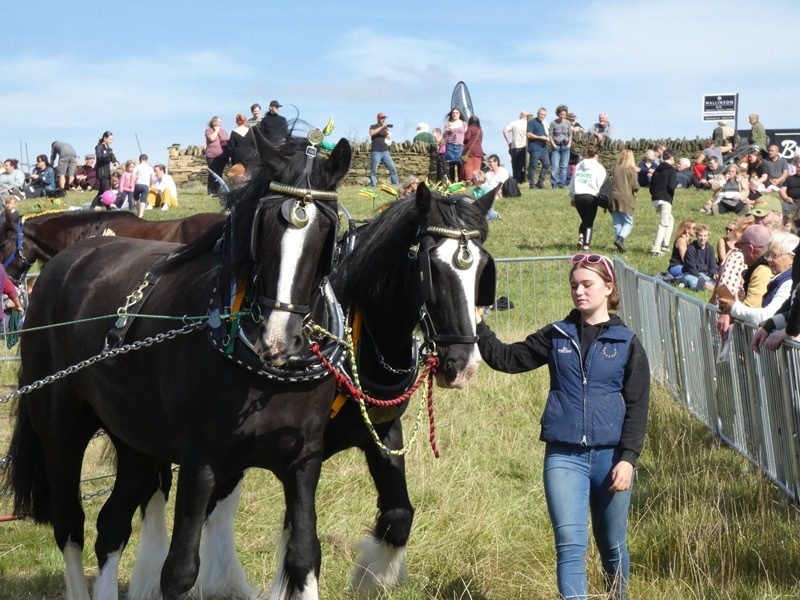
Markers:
751,401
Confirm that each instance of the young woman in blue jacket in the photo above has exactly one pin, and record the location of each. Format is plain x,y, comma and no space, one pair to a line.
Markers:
593,423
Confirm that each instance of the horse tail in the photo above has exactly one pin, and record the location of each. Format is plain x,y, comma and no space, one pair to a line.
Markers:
26,477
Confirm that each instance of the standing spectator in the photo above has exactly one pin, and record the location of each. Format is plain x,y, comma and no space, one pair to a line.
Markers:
241,145
12,180
127,183
515,135
662,191
380,135
601,130
423,136
700,265
144,179
216,153
583,189
441,165
538,148
454,130
723,137
472,158
560,144
255,120
593,424
105,160
67,163
777,169
684,237
163,193
274,125
42,179
576,127
758,135
86,175
624,185
646,168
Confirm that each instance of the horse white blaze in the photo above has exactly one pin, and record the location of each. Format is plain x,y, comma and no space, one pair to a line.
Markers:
292,244
445,253
73,573
106,587
145,583
221,573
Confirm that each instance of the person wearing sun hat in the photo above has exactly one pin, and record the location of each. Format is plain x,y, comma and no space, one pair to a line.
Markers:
423,135
767,210
273,125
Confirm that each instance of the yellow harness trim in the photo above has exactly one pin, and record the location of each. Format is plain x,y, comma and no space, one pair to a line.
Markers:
42,213
238,298
340,399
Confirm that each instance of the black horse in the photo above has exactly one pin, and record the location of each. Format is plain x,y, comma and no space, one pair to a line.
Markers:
26,239
187,400
419,265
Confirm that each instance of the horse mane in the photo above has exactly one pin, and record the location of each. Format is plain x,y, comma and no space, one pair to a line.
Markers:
379,262
284,164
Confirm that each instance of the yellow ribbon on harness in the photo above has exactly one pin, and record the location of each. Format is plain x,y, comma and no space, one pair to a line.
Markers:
341,398
238,297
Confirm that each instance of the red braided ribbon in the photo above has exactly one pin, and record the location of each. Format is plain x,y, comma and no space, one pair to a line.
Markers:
346,386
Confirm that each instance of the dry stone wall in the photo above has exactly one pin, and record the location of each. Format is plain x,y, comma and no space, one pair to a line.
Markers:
187,165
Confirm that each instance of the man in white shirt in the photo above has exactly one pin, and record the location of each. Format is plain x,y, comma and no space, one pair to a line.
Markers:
516,136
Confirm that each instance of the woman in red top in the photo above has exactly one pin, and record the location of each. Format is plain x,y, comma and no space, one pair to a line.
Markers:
472,155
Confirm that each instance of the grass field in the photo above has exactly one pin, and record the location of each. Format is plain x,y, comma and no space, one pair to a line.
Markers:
704,525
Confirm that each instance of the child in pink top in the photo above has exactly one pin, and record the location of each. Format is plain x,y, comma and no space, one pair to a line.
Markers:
126,184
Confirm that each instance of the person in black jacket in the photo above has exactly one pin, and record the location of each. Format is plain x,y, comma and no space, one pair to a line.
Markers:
593,423
105,160
784,324
274,126
662,191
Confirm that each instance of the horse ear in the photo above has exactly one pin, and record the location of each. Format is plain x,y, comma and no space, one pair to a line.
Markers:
9,219
423,198
267,153
339,162
485,202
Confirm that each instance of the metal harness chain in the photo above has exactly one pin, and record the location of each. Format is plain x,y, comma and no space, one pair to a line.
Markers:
148,341
354,391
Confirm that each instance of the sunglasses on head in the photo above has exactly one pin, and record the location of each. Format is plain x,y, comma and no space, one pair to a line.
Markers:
594,259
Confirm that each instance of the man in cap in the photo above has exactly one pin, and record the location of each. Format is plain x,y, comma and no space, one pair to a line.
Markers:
274,126
379,152
85,175
767,210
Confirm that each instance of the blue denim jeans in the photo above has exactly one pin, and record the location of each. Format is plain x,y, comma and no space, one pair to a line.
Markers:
376,158
559,162
698,284
623,223
537,156
576,482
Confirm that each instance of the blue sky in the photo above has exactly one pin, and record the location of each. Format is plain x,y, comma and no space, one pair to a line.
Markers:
161,70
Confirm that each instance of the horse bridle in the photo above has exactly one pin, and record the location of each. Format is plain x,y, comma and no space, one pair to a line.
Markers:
26,264
462,259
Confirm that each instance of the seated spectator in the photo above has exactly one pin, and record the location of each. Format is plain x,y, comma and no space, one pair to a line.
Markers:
794,164
423,136
756,173
700,265
790,191
601,130
86,176
496,175
699,166
408,187
713,170
163,193
731,193
727,243
767,211
481,189
685,177
12,180
41,180
777,169
779,257
709,151
646,167
682,240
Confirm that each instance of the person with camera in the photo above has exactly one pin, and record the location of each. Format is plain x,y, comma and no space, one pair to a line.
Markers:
381,138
